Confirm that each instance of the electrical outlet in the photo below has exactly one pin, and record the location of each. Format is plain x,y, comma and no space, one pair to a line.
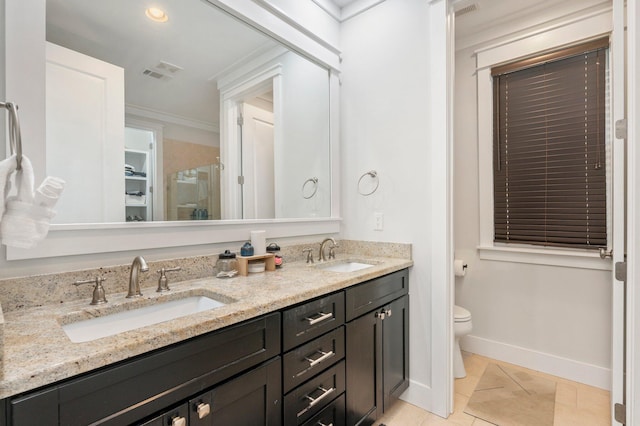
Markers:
378,221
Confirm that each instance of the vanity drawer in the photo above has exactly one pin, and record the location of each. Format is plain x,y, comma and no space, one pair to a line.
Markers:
333,414
363,298
311,397
312,319
311,358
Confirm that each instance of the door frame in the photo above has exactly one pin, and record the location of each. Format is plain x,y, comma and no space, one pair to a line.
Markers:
231,98
157,157
618,210
633,215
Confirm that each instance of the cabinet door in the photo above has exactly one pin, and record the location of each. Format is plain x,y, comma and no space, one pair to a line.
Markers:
251,399
364,369
395,350
377,361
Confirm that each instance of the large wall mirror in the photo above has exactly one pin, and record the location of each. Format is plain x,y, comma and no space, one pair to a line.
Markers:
188,116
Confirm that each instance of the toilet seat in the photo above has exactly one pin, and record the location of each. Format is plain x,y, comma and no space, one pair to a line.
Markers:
460,314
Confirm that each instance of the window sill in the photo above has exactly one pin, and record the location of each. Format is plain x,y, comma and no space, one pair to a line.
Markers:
547,256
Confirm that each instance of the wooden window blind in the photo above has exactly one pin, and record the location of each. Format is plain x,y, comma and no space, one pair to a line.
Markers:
549,150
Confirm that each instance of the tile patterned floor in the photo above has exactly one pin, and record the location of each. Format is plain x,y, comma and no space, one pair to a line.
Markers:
575,403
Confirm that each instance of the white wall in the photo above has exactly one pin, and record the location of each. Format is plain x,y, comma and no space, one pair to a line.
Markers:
558,318
385,127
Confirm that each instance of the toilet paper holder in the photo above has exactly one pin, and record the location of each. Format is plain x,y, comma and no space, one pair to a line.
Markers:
459,267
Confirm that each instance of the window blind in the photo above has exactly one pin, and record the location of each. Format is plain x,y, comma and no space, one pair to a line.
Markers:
549,151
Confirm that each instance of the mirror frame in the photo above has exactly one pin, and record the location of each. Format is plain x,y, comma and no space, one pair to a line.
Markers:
25,47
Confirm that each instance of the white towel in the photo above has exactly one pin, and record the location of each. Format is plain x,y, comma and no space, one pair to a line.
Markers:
27,215
7,167
49,191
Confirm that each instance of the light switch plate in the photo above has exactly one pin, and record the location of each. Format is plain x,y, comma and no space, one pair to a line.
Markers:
378,221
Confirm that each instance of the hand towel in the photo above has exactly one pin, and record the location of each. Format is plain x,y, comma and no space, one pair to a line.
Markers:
49,191
7,167
27,215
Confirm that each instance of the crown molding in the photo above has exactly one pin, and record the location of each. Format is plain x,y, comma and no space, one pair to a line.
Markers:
165,117
347,12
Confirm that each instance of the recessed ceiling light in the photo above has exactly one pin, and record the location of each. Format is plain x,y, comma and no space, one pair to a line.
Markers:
156,14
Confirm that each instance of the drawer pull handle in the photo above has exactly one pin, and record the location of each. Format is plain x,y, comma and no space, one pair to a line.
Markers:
314,401
322,424
178,421
324,357
203,410
321,318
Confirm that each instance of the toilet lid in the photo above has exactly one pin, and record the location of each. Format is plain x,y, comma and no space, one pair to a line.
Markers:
460,314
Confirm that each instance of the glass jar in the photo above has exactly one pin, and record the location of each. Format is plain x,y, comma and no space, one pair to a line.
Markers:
227,265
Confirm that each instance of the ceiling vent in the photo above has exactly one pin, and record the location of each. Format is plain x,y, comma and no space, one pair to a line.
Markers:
157,75
162,71
466,9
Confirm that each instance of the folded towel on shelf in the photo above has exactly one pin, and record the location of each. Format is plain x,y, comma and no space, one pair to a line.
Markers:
28,214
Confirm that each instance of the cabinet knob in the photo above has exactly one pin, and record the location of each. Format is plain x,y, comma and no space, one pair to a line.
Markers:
178,421
203,410
380,314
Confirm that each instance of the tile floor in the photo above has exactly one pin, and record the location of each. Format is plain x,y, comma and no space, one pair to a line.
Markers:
575,404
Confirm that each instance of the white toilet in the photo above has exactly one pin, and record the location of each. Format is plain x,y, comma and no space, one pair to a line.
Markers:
461,327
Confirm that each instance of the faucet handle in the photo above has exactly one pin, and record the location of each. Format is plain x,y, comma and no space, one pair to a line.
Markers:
309,252
163,281
99,296
332,253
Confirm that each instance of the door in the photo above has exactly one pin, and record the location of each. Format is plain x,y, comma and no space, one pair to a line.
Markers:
618,219
258,196
363,369
85,119
395,351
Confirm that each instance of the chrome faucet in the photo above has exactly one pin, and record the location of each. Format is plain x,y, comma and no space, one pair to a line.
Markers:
321,256
138,265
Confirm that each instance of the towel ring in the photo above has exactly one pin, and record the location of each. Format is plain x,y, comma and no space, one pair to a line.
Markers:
15,138
314,181
374,175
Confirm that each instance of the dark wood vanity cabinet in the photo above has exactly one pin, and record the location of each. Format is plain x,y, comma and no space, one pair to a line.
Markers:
339,359
377,346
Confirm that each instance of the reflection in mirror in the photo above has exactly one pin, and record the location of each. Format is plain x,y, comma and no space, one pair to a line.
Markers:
198,117
194,194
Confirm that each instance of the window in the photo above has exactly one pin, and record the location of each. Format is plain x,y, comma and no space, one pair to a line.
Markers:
549,149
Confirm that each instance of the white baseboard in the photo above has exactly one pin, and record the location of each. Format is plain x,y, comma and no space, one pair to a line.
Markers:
576,371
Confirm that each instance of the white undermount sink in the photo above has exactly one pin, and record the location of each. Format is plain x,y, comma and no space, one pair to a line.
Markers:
346,266
112,324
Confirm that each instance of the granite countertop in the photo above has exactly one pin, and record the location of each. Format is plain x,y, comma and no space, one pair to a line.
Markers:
37,352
